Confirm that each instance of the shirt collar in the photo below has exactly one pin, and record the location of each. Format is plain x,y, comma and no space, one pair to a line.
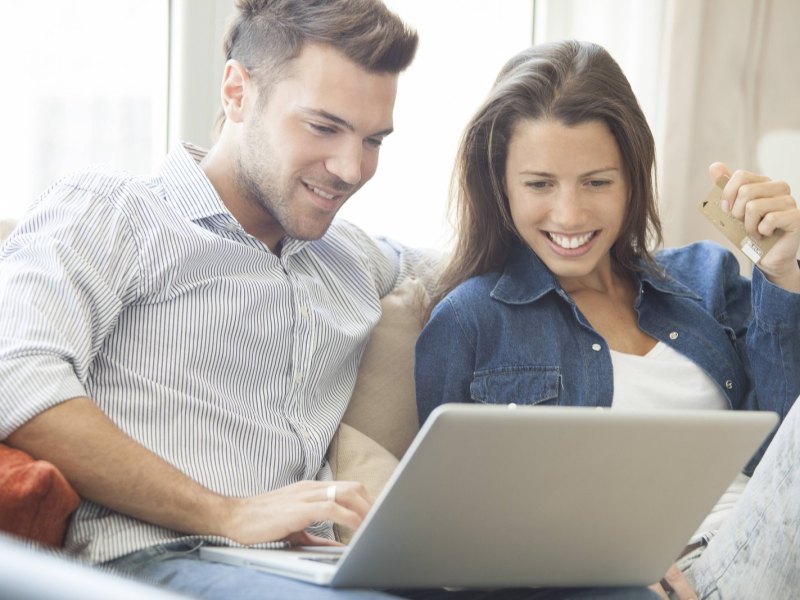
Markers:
186,185
526,279
663,282
188,188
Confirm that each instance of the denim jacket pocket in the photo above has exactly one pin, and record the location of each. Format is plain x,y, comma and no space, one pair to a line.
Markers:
517,384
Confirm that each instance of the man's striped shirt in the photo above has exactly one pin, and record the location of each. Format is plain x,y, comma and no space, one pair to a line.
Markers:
233,364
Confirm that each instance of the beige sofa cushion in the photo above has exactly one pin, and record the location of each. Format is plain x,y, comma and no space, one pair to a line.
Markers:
383,405
381,419
6,227
355,457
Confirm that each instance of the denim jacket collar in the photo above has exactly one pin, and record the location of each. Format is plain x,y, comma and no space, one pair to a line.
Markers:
526,279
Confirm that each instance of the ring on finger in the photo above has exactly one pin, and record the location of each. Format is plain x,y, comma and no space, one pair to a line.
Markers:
330,493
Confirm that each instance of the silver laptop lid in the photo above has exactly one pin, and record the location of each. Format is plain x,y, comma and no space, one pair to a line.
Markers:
490,496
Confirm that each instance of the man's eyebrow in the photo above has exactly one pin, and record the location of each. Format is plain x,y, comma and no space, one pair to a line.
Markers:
340,121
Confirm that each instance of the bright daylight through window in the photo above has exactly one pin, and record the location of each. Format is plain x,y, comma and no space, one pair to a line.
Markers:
86,82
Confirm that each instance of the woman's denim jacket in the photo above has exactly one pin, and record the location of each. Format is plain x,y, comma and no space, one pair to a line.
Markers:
516,336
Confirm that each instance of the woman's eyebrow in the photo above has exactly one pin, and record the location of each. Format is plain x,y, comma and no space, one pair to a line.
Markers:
552,175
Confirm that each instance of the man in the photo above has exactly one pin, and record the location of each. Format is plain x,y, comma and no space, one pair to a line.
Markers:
183,347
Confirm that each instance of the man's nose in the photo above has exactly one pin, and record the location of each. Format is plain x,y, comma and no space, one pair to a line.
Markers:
346,163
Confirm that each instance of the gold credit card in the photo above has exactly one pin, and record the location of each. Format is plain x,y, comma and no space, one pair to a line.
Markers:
731,227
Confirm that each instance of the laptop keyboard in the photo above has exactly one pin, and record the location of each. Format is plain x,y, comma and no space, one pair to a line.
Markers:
328,560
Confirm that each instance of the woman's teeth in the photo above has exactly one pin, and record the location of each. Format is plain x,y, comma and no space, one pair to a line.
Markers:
570,242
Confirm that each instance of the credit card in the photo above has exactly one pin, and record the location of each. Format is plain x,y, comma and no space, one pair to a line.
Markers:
731,227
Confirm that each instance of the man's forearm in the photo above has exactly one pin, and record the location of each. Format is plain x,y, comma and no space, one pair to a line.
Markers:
109,468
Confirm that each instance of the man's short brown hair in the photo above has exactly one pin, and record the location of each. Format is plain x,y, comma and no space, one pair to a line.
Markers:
266,34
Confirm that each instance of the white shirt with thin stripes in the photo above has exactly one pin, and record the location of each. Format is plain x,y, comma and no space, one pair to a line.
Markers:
233,364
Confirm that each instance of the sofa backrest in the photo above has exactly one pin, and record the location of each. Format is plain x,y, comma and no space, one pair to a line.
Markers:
381,419
6,227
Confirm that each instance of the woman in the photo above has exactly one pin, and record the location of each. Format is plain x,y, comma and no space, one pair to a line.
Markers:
555,296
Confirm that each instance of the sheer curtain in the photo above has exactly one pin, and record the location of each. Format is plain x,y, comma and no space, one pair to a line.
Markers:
730,91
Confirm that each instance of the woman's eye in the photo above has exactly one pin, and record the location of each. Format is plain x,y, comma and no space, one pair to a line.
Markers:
599,182
537,185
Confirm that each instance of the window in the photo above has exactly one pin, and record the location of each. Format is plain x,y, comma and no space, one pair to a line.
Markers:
463,44
85,82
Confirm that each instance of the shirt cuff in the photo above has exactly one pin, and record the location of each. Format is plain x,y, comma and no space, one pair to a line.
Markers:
29,385
775,309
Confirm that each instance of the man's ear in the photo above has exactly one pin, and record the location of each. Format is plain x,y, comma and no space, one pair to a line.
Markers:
236,86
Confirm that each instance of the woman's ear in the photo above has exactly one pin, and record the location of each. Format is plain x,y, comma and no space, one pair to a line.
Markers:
236,83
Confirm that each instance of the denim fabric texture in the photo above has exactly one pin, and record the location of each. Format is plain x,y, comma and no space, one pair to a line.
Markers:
178,567
516,336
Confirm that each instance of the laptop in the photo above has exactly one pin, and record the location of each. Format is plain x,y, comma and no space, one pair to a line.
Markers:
518,496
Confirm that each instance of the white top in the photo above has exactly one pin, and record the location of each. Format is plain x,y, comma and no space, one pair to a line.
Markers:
665,378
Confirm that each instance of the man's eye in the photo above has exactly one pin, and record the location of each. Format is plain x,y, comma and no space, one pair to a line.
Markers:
322,128
375,142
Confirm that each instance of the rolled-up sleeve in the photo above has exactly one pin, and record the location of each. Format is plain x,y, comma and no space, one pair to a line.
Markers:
65,274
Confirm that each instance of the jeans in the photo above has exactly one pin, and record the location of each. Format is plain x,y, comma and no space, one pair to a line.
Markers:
179,568
756,553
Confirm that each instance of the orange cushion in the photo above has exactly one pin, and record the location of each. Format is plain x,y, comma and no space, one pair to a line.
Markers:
35,499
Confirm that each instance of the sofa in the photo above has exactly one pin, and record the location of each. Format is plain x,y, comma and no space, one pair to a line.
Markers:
378,426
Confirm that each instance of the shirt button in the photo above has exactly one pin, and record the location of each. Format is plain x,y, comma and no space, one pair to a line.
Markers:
673,335
298,378
304,312
232,227
729,384
306,434
596,347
